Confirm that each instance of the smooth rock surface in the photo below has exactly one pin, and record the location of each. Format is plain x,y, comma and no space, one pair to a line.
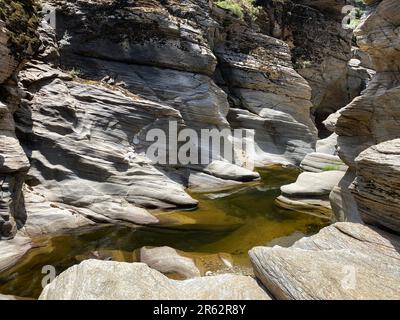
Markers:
313,184
12,250
107,280
310,193
168,261
202,182
320,162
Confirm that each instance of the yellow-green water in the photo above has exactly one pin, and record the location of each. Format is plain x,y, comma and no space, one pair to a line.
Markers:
230,222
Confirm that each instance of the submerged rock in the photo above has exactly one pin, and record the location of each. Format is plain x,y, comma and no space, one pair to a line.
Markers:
343,261
107,280
12,250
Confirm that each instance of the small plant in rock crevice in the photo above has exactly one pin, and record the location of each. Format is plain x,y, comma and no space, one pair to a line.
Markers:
75,73
331,168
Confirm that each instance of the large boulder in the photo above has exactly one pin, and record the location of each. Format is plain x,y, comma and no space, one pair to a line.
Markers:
310,193
343,261
107,280
377,185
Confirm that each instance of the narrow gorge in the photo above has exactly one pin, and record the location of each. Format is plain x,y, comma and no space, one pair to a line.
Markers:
104,110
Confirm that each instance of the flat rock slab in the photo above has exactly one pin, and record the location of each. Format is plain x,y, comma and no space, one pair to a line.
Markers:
108,280
343,261
202,182
313,184
315,207
320,162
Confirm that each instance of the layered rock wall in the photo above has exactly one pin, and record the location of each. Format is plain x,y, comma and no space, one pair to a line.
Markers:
373,117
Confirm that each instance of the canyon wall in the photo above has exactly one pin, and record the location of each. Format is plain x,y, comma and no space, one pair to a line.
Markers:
108,72
369,120
358,259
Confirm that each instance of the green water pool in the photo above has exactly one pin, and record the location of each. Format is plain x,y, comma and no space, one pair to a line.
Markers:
229,222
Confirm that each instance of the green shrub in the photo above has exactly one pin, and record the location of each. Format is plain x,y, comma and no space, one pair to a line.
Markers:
240,7
75,73
21,18
303,64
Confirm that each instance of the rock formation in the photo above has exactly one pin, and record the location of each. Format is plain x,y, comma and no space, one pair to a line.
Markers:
376,187
367,128
18,39
343,261
310,193
373,117
94,279
321,51
89,99
81,89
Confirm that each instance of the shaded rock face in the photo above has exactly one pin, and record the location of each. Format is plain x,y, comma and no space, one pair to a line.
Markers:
78,138
79,134
343,261
254,69
13,162
321,51
268,96
7,60
373,117
106,280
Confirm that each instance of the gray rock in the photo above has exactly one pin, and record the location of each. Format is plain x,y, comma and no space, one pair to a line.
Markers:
313,184
88,158
13,250
376,188
343,261
319,207
320,162
342,201
274,99
7,61
310,193
373,117
107,280
202,182
168,261
226,170
327,145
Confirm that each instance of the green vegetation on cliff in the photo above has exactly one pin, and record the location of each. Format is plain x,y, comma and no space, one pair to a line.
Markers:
21,18
239,7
